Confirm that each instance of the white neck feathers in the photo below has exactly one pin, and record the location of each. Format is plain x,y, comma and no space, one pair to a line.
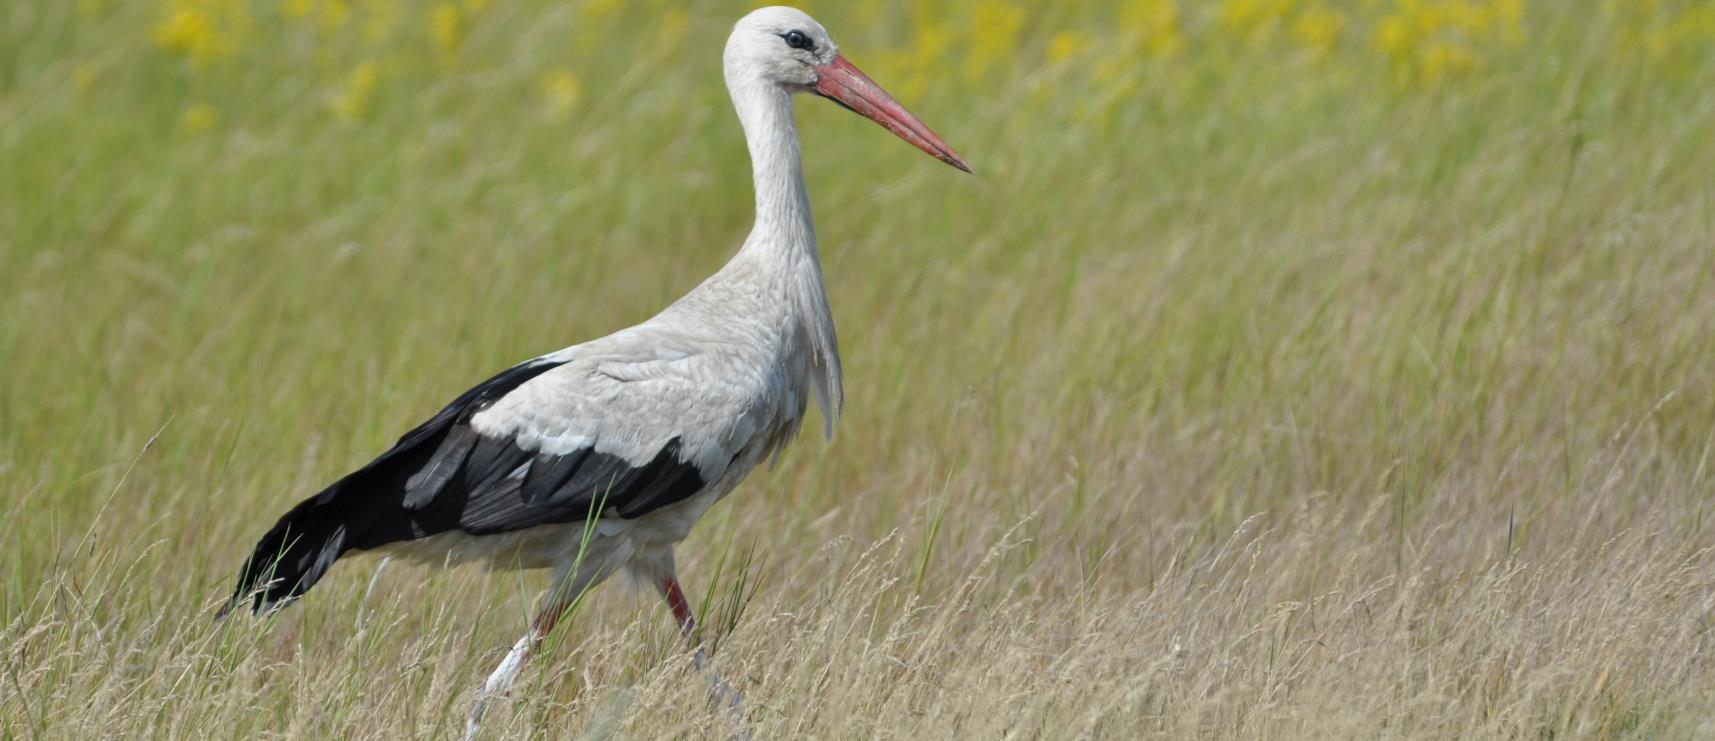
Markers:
783,240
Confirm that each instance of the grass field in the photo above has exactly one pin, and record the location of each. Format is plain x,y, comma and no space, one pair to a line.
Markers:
1289,369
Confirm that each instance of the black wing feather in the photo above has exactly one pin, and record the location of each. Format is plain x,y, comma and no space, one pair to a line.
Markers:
590,481
444,476
549,472
448,459
369,506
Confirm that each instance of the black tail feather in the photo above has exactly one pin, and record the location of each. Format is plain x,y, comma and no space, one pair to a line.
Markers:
295,553
369,508
364,510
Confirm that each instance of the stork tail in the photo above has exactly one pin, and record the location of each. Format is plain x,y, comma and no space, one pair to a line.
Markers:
372,506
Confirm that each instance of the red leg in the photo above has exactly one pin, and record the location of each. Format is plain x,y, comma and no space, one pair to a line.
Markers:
676,602
548,618
723,694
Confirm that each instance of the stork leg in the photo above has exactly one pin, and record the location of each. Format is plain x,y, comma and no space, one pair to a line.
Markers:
675,596
507,673
724,695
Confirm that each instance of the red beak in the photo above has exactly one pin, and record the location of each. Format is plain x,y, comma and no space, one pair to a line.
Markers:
847,85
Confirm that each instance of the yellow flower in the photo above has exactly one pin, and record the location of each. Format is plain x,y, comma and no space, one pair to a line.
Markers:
1461,16
1445,59
333,15
1255,19
185,31
297,9
1067,44
353,101
1153,24
198,118
932,39
1319,29
1394,35
994,36
1511,15
907,69
383,16
201,30
446,26
562,90
1145,14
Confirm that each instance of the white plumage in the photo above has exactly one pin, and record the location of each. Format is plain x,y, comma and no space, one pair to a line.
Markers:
629,438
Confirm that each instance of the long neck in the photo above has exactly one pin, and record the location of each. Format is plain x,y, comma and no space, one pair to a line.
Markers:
783,240
782,206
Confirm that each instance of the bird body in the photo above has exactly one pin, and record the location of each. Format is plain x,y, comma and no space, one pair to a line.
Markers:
597,459
722,378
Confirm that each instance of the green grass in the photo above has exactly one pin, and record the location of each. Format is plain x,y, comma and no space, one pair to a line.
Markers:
1267,398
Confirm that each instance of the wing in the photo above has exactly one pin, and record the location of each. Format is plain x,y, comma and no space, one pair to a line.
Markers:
618,435
619,428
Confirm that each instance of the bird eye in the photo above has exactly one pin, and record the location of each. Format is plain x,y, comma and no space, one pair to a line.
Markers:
797,40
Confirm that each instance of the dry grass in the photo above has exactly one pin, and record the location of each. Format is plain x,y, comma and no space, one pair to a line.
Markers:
1269,400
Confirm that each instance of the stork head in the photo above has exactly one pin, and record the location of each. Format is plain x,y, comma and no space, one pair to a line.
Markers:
786,48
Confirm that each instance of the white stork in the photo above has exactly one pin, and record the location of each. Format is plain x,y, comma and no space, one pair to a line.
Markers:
600,457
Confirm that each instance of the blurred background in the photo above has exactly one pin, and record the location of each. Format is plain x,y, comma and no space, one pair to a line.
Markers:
1289,367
